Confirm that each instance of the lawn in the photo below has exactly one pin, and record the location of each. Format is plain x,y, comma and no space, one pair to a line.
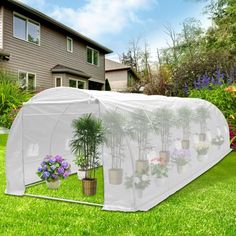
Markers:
207,206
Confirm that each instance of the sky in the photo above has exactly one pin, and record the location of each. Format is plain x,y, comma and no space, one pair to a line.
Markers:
114,23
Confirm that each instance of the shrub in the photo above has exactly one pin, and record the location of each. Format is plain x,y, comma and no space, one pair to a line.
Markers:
11,98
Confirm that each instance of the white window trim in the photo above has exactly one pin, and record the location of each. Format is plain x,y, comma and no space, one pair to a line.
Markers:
93,56
27,76
77,82
72,45
55,80
27,20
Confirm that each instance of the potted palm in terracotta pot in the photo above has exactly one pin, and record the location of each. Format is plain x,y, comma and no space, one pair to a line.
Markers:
114,123
88,136
163,121
184,120
139,127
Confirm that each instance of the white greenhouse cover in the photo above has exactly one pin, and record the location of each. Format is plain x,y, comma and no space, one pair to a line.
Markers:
155,144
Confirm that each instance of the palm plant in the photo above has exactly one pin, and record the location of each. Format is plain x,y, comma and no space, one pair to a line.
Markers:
89,133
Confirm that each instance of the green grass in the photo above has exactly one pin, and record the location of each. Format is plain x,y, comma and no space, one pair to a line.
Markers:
207,206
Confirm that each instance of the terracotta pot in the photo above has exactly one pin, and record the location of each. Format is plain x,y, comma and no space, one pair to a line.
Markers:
202,137
53,184
115,176
89,186
185,144
142,166
164,157
81,174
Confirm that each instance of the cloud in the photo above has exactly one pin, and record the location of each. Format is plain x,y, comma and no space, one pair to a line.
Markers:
39,4
99,17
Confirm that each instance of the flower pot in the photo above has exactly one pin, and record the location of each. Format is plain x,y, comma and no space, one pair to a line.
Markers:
159,181
89,186
202,137
181,169
115,176
53,184
164,157
185,144
202,152
142,166
81,174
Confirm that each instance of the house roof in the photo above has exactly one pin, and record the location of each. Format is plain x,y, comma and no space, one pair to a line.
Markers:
56,23
116,66
113,65
64,69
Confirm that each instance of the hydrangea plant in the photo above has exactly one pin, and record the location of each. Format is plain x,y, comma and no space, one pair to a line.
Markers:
53,168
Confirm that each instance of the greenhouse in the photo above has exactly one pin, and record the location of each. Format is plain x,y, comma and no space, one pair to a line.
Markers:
153,145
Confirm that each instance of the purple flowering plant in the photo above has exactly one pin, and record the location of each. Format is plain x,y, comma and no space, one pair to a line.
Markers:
53,168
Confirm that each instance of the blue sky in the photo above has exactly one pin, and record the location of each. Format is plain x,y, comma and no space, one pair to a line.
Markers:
114,23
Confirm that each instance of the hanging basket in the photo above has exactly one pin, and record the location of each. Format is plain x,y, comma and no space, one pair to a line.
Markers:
115,176
53,184
89,187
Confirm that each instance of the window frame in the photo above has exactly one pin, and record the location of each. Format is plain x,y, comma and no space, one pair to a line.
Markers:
72,44
27,78
76,82
93,50
27,19
55,80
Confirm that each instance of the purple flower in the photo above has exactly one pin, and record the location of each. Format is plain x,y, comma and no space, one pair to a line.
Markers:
66,174
60,170
54,176
65,164
45,167
58,158
40,169
53,167
52,160
46,174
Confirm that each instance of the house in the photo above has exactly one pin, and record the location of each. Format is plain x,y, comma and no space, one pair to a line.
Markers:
121,77
45,53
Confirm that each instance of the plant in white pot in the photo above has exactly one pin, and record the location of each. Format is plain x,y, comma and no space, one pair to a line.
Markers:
81,162
159,172
138,181
218,140
139,128
52,170
163,120
89,134
184,118
180,157
115,133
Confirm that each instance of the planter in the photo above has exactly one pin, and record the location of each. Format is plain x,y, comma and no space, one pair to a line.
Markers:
115,176
53,184
185,144
164,157
181,169
142,166
202,152
81,174
89,186
202,137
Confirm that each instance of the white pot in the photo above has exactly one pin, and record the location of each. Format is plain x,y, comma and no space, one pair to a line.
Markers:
53,184
159,181
81,174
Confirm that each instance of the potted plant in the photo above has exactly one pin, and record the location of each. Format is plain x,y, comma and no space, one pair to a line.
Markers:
80,161
115,133
139,127
139,182
180,157
160,172
88,136
184,120
218,140
202,114
202,149
52,170
163,121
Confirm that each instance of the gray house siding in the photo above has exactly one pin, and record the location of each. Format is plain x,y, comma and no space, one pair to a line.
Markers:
1,27
25,56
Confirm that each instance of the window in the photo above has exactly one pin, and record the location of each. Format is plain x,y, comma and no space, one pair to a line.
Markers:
58,82
92,56
69,44
26,29
76,83
27,81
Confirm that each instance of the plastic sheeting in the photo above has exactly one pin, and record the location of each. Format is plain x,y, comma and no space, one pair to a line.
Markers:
154,146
